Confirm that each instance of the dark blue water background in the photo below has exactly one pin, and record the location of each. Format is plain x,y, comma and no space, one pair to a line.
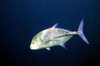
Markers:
21,19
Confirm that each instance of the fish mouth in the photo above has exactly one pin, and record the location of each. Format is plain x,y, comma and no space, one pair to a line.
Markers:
34,47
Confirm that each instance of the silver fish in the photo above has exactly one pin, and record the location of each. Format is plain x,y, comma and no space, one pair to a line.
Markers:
55,37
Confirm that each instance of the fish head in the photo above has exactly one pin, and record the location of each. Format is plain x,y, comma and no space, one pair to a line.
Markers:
35,43
34,46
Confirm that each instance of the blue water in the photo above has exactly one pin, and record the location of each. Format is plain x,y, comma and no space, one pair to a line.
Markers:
22,19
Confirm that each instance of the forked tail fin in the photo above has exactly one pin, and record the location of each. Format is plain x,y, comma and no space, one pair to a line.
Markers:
80,32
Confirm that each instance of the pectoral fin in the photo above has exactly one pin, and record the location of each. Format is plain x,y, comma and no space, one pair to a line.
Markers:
48,49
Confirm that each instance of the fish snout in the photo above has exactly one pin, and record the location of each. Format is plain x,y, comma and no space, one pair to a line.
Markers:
34,47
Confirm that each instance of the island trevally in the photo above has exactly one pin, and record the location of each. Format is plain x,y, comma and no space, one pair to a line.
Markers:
55,36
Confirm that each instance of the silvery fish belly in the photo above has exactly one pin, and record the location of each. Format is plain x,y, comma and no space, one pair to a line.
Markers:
55,37
50,37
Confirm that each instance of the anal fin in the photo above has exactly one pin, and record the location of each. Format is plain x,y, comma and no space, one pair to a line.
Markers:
62,45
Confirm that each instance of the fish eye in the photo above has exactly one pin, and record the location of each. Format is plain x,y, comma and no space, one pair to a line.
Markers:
32,42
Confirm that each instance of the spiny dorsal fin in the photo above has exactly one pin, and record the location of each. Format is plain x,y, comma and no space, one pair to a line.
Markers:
54,26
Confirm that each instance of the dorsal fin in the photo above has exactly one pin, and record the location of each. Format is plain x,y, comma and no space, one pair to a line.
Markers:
54,26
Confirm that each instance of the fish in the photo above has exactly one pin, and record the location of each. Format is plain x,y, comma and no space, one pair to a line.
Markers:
55,36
